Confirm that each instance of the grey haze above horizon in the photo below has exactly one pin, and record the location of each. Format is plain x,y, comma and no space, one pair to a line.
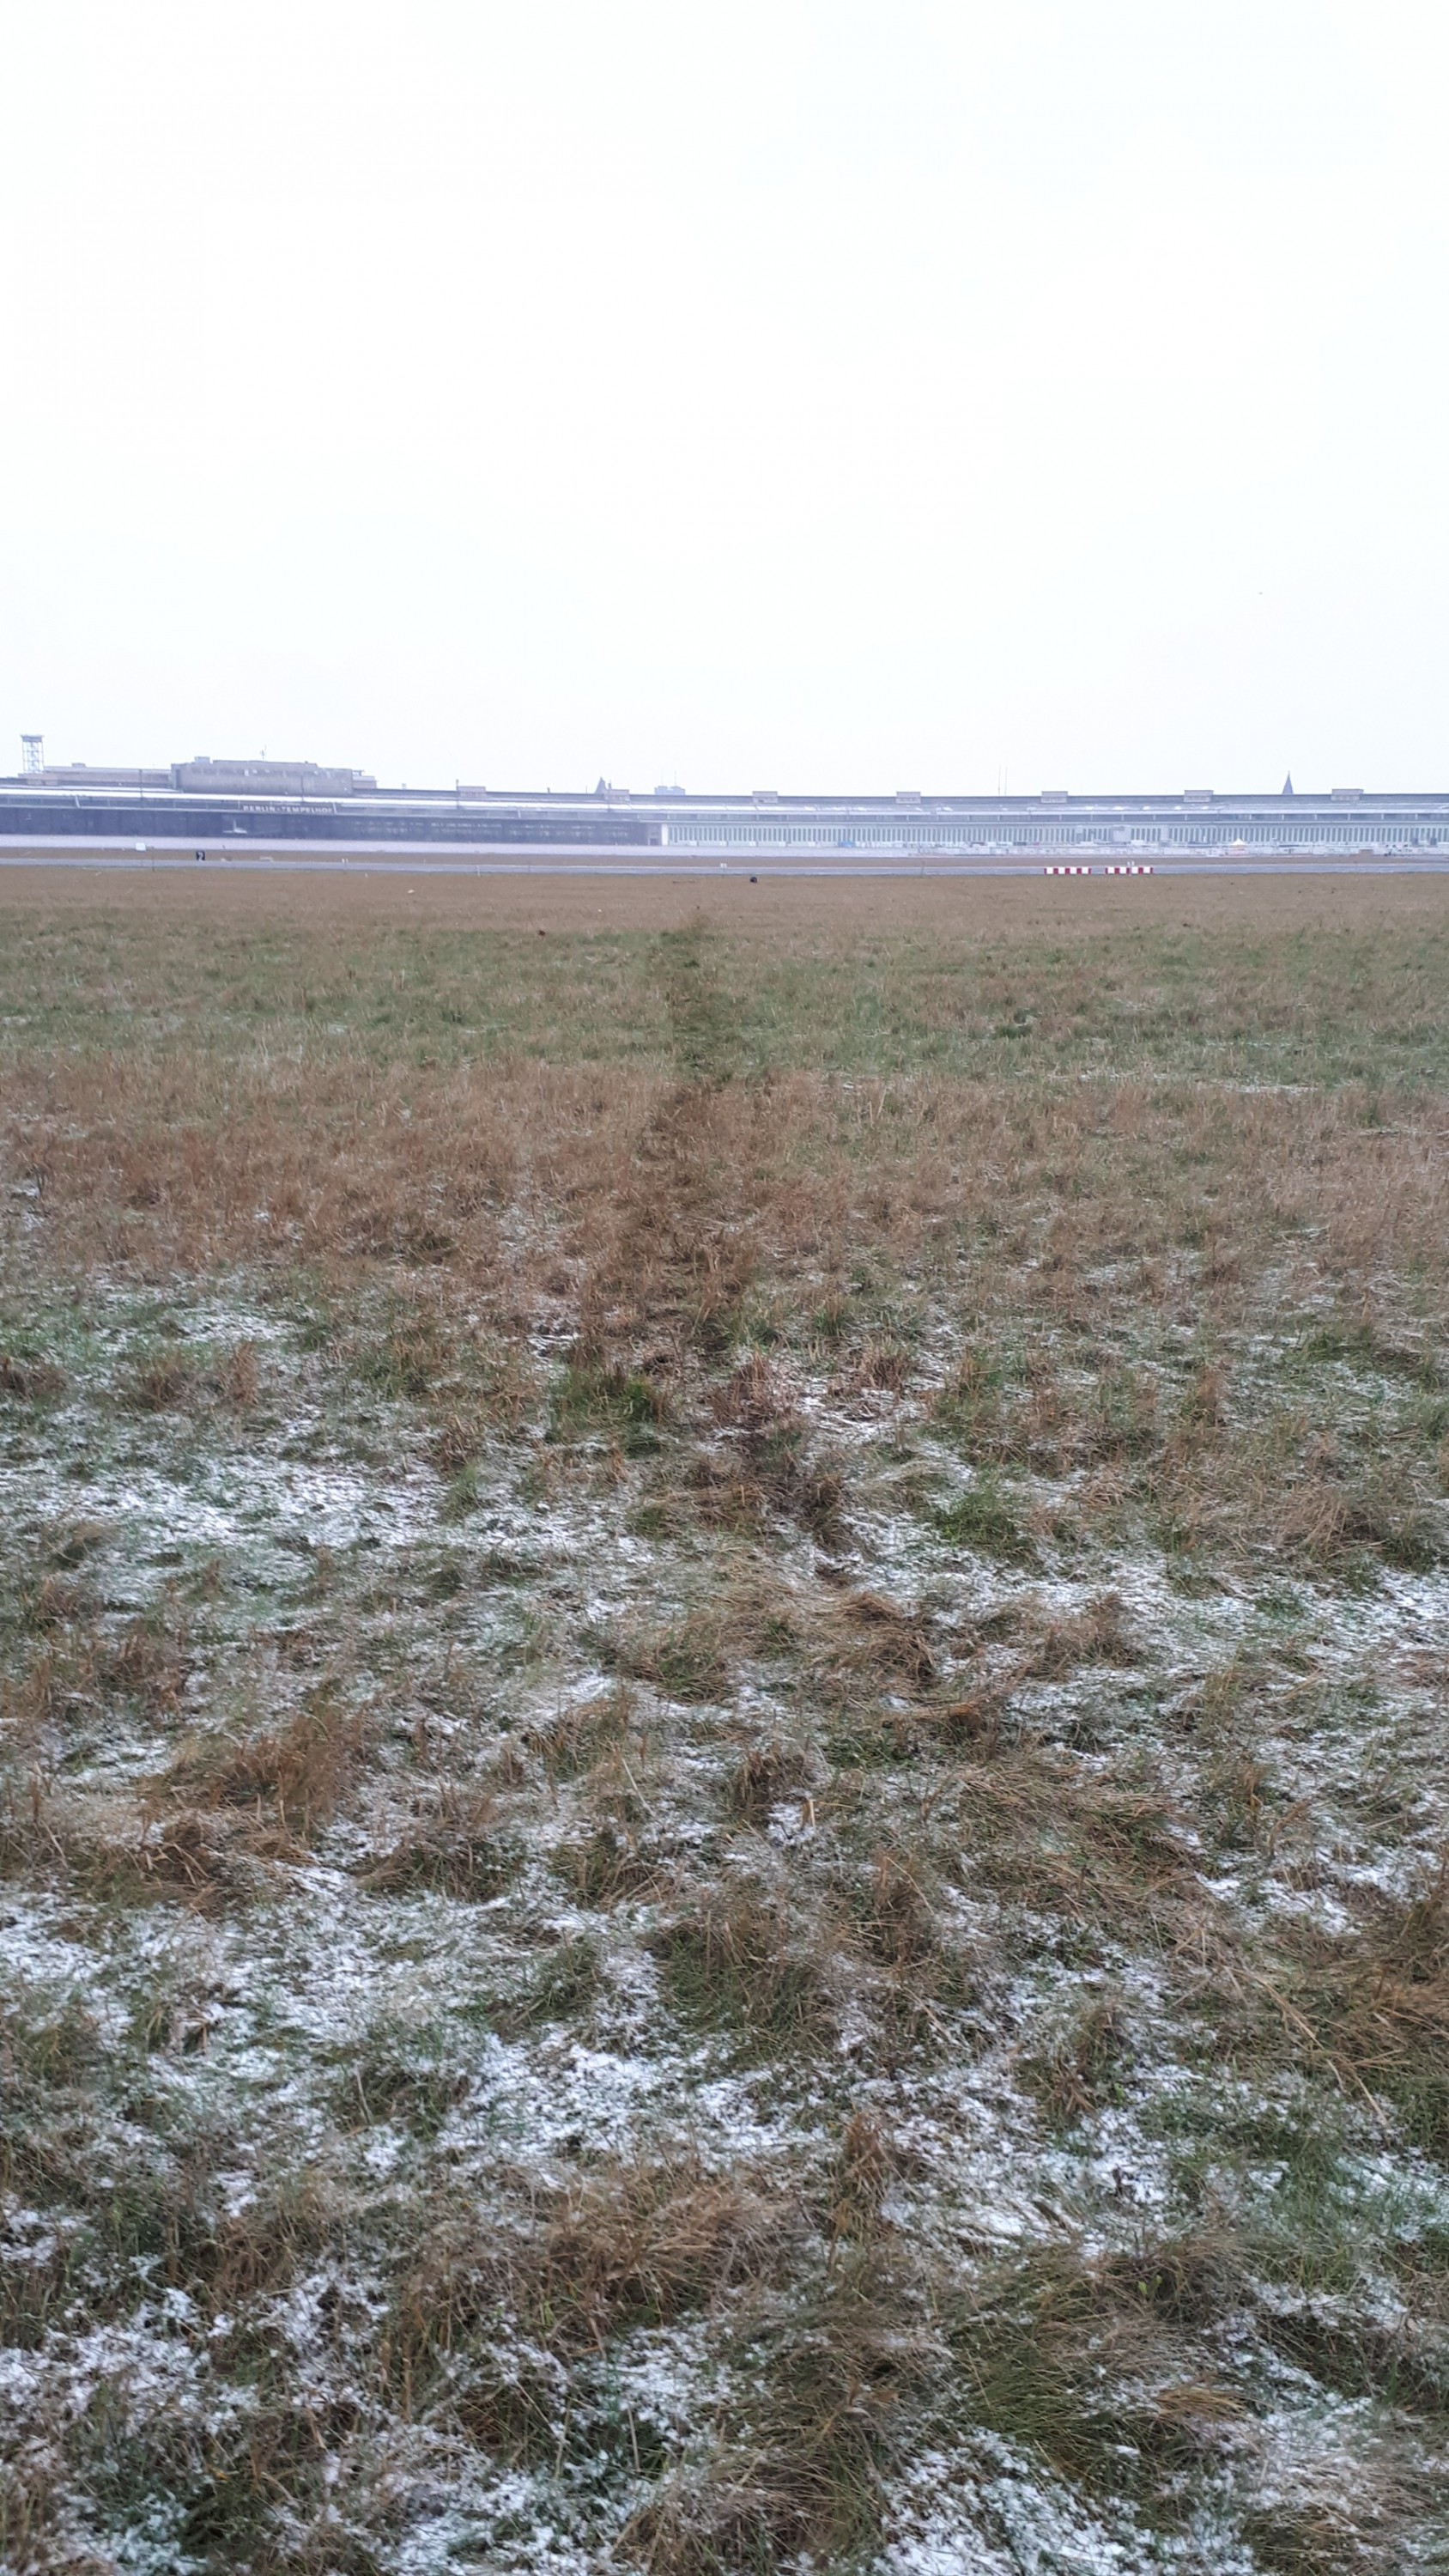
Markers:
847,398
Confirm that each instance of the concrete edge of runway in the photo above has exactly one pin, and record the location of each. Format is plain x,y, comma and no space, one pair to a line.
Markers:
387,859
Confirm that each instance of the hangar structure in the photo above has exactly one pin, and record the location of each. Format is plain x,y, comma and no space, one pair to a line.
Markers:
225,807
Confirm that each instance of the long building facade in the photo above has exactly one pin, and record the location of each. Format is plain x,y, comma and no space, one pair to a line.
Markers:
1132,826
225,807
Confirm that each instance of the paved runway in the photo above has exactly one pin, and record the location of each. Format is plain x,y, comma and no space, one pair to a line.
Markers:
364,858
389,861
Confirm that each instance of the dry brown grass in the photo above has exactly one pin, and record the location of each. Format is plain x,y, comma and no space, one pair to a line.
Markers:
177,1380
897,1648
78,1666
1163,1301
510,1393
650,2242
148,1663
1097,1634
451,1841
685,1660
893,1640
30,1381
867,2164
767,1775
164,1383
207,1827
897,1915
1058,1840
639,2243
290,1778
1333,1511
1077,2069
58,1602
777,910
612,1863
190,1853
766,1466
669,1200
795,1179
129,1852
580,1735
1378,2003
33,1699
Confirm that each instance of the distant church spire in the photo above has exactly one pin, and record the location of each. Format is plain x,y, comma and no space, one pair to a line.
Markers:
1288,784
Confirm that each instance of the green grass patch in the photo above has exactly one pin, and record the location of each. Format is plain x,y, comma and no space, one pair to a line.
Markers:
987,1520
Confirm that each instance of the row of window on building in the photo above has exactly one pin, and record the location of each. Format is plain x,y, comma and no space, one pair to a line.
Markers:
908,839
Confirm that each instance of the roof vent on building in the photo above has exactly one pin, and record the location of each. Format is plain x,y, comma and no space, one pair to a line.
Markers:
1197,795
908,795
765,795
1054,795
1347,795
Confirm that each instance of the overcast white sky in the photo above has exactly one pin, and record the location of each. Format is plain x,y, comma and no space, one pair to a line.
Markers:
837,393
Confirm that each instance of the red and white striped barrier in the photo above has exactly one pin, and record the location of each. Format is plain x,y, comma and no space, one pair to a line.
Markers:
1136,868
1066,872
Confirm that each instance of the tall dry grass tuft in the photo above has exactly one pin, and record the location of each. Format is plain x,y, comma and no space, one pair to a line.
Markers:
637,2243
29,1380
300,1768
453,1842
767,1775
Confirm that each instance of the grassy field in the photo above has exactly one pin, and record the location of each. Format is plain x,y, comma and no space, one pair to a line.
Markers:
724,1836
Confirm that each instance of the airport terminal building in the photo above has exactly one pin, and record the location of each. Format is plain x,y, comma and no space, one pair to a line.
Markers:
228,809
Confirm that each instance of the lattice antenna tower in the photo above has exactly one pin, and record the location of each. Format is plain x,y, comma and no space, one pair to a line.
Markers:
32,754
